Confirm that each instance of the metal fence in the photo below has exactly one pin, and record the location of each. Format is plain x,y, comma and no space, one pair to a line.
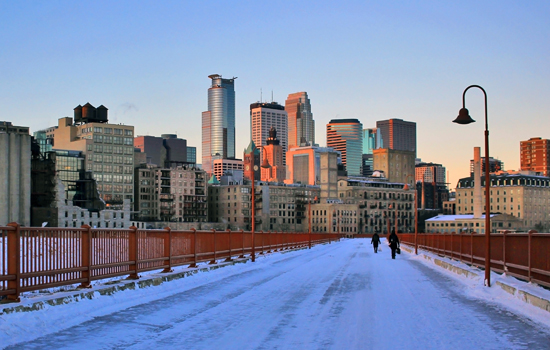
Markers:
36,258
522,255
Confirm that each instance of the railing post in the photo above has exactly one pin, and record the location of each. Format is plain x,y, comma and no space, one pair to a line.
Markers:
14,259
262,251
504,251
229,257
213,261
85,255
242,245
133,252
167,249
529,237
194,264
471,247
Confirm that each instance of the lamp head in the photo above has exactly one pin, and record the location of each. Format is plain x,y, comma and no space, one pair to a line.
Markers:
463,117
265,164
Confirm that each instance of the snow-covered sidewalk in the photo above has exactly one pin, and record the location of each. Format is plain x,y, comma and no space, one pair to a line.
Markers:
333,296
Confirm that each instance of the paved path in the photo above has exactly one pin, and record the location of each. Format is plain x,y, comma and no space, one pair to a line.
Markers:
337,296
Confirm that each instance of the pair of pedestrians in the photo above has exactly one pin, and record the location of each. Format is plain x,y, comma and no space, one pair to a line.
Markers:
393,239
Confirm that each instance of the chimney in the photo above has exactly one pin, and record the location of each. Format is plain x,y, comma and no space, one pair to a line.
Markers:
477,182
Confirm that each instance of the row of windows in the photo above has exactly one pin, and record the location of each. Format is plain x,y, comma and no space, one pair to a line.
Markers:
117,140
110,149
115,131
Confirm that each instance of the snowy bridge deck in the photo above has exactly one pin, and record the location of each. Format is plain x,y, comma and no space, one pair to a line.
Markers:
334,296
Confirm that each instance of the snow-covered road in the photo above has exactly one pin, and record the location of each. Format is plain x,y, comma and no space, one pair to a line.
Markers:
337,296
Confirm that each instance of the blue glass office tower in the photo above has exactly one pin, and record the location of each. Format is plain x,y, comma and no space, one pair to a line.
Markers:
345,135
218,123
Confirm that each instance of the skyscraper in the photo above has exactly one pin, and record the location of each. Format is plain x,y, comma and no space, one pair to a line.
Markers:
218,123
301,126
370,143
345,135
273,154
263,117
535,155
397,134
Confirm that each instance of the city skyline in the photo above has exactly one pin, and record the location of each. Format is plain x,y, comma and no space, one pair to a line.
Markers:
148,64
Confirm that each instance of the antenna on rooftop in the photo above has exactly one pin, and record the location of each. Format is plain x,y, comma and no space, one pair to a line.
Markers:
261,96
271,96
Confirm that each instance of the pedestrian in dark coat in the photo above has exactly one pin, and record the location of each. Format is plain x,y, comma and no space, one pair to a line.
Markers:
394,243
375,241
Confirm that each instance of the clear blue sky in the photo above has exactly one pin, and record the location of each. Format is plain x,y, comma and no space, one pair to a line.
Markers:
148,62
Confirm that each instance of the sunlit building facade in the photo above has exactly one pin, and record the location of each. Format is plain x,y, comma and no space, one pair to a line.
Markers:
264,116
301,126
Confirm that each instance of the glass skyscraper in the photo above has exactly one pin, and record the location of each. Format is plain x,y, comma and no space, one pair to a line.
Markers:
346,136
218,123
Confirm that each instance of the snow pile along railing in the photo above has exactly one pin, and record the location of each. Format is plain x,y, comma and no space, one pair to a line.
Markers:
33,258
522,255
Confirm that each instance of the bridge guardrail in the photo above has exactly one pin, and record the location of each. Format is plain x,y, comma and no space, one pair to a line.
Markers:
523,255
33,258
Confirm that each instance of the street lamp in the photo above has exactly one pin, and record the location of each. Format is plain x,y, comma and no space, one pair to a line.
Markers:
265,165
464,118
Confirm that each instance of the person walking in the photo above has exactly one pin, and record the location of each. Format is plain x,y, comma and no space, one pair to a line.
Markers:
394,243
375,241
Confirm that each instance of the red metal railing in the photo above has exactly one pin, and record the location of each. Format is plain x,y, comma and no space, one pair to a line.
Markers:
522,255
36,258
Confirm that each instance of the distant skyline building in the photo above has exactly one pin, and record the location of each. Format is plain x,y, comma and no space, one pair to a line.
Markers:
15,174
397,134
430,172
494,165
346,136
263,117
370,143
108,149
301,126
313,165
273,155
370,140
398,166
535,155
164,151
218,123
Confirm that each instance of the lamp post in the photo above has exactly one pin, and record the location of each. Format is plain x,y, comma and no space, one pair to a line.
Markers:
265,165
464,118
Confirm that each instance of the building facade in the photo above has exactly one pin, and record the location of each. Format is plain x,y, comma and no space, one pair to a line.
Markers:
263,117
176,194
522,195
218,123
381,205
304,166
345,136
15,174
164,151
470,224
301,126
278,207
535,155
397,134
398,166
108,149
273,156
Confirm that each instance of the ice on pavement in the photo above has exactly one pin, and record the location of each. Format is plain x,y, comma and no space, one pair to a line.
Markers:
334,296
